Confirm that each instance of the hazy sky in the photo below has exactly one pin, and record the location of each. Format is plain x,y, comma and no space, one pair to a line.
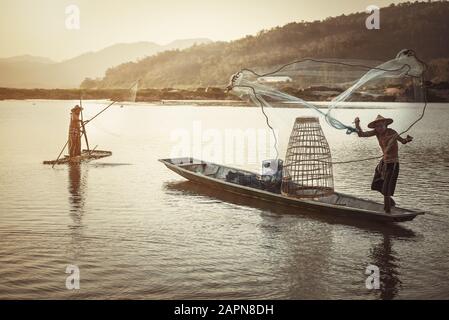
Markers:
38,27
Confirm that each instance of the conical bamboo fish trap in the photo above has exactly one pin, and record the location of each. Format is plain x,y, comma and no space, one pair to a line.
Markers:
308,163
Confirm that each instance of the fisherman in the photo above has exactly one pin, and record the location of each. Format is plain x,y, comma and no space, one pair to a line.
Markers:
75,132
387,171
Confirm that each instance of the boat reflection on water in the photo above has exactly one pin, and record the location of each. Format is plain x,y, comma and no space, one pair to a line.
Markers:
191,188
381,254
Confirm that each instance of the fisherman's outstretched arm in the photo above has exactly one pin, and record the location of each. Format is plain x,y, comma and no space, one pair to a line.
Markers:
362,133
405,140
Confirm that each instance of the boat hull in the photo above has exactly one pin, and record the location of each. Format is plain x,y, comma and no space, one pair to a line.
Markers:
297,205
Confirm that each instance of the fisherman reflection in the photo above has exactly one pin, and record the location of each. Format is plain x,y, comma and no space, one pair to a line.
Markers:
76,189
384,257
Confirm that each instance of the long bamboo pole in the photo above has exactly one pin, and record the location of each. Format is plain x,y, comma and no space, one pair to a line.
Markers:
87,121
62,150
82,125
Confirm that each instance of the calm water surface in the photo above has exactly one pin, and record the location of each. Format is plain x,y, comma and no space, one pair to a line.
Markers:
137,230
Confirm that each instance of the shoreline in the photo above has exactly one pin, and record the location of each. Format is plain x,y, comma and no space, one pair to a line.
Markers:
200,96
242,104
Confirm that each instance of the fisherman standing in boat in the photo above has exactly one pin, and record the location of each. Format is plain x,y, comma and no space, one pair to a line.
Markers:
387,171
75,132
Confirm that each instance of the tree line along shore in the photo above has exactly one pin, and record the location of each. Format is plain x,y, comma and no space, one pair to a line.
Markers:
437,92
420,26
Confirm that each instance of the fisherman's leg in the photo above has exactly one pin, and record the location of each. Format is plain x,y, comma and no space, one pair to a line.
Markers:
378,180
393,203
387,187
393,181
71,147
394,177
387,204
77,145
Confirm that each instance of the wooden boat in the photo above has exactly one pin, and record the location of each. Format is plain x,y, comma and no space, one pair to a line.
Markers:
337,204
86,155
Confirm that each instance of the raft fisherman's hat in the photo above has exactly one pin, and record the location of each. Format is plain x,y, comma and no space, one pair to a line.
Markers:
379,118
76,108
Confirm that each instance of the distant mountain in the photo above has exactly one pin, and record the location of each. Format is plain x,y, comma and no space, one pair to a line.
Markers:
37,72
26,59
422,26
185,43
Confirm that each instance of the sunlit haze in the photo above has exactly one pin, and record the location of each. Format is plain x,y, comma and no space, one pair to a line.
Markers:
37,27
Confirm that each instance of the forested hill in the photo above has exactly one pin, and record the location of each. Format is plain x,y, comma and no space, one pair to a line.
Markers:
422,26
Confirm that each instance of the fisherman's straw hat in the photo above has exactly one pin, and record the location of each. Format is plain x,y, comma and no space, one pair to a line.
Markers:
76,108
379,118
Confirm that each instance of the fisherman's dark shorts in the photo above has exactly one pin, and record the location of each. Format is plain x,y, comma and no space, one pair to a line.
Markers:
385,178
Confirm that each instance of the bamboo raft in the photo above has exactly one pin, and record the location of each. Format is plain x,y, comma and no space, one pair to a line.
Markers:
86,155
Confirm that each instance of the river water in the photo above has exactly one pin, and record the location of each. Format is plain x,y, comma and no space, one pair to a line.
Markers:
135,230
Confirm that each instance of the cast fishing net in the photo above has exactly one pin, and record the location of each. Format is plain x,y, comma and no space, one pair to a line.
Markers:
335,81
131,94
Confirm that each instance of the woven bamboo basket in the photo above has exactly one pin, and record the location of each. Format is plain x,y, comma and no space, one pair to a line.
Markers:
307,169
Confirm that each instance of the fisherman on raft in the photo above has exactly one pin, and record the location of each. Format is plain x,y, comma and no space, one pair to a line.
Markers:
75,132
387,171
